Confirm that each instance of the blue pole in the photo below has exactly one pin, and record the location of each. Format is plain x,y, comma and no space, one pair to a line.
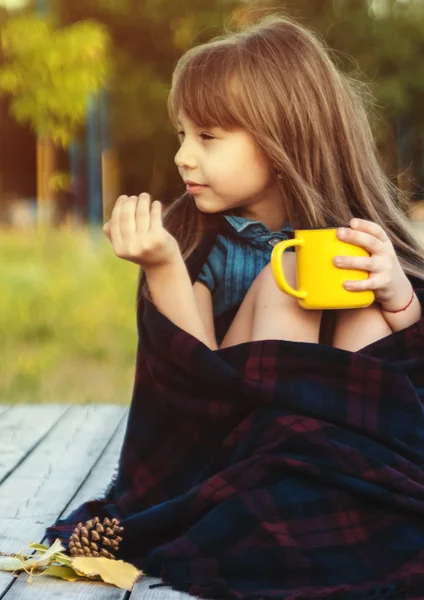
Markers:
41,7
94,164
75,163
110,165
105,144
104,121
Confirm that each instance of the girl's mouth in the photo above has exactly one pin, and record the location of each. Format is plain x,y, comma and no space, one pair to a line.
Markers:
194,189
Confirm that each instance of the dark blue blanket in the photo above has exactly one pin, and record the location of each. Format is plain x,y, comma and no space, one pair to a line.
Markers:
272,469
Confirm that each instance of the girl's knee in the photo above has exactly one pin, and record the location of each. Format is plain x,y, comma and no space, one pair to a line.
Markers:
277,315
357,328
265,283
261,313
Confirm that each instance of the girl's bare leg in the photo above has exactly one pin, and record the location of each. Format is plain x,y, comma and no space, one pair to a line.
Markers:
267,313
359,327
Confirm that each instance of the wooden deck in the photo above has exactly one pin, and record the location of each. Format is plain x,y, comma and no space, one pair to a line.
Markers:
53,458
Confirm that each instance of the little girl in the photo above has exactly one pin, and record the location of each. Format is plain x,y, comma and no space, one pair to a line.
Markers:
273,137
267,455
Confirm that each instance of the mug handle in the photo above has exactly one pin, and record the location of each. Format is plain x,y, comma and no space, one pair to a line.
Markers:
277,267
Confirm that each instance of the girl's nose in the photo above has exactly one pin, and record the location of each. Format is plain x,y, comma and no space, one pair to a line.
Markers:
184,159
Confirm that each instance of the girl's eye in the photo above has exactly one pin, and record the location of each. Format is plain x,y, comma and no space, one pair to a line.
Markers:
205,136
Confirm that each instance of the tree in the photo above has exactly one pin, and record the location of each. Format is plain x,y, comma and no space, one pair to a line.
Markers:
50,73
148,38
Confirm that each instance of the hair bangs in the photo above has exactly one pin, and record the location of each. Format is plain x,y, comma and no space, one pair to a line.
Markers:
203,88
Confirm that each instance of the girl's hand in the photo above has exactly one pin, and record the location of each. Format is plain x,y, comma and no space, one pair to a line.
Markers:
387,279
136,232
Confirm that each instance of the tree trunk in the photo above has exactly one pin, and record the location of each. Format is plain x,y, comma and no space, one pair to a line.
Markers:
110,182
45,168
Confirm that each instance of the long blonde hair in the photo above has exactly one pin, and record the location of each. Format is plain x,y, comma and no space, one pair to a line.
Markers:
277,80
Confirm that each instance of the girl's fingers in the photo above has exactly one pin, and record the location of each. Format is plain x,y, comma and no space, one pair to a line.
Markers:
371,283
363,263
373,238
114,228
365,234
369,227
127,217
142,214
359,238
156,217
106,229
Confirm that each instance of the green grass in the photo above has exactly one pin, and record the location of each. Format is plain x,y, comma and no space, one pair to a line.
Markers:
67,318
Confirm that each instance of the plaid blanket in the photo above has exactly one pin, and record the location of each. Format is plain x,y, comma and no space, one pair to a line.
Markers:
272,469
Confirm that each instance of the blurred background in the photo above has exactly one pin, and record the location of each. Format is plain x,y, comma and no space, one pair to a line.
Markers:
83,88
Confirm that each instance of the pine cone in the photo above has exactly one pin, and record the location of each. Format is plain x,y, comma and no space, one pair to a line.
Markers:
96,539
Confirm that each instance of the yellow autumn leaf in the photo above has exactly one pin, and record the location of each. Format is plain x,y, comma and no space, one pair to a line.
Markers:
45,558
63,572
22,561
58,557
117,572
40,547
10,563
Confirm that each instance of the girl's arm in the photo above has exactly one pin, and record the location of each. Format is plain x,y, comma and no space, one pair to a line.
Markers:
187,306
404,318
392,288
136,233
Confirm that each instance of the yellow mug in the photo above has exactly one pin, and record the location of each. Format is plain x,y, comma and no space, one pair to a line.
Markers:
319,281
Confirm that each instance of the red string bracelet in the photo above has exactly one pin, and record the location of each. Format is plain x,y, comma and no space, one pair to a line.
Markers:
402,309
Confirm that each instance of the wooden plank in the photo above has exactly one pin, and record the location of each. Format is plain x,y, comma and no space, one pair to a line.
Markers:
43,484
46,587
21,429
45,481
4,408
141,591
101,474
50,587
93,486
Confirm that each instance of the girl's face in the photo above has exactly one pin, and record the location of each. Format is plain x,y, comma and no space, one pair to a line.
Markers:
233,169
